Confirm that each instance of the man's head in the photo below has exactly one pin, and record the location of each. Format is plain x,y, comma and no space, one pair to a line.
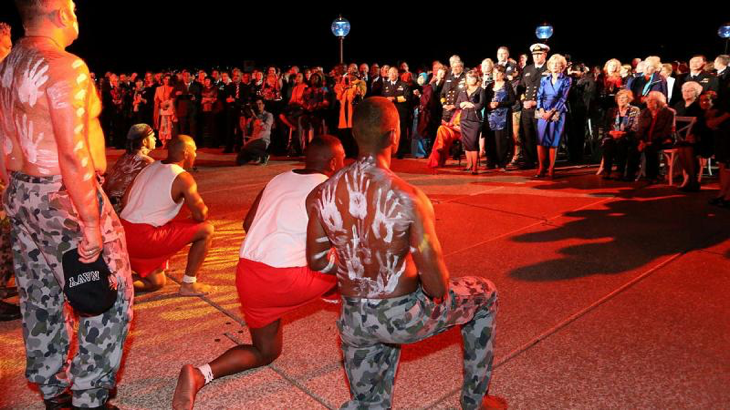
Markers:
325,154
384,71
224,77
259,105
364,69
697,63
374,70
376,125
721,62
502,54
458,67
393,74
182,150
52,18
6,43
186,77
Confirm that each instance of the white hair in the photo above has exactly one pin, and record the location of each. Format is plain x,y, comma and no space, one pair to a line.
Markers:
694,85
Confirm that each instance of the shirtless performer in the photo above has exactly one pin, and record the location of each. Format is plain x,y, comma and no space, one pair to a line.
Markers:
391,274
272,277
53,150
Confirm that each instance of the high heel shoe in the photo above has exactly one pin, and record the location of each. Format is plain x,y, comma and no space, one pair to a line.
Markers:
540,173
551,173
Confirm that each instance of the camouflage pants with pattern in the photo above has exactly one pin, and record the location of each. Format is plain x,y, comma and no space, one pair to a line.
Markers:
44,226
372,330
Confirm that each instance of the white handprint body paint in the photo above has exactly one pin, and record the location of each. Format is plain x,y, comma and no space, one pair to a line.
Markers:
357,189
387,213
43,159
363,224
59,95
31,82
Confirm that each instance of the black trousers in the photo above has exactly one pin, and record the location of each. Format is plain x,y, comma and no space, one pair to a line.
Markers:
252,150
528,136
616,151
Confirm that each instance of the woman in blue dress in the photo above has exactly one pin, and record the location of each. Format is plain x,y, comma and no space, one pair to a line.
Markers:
551,108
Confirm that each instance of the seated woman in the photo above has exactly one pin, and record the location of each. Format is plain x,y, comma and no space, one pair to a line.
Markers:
655,133
688,147
621,124
447,133
140,141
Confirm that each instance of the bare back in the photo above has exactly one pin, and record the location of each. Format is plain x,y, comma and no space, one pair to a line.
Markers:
45,91
367,213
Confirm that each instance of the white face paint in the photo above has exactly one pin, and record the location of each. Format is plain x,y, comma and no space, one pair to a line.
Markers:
31,82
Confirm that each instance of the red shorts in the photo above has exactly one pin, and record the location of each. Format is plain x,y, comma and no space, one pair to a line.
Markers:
150,248
266,293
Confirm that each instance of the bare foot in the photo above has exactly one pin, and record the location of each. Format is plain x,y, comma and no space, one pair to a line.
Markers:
493,402
194,289
190,381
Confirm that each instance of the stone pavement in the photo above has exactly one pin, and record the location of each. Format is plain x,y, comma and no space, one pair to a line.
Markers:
612,295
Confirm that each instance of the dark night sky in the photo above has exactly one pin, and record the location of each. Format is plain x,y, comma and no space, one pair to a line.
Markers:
139,35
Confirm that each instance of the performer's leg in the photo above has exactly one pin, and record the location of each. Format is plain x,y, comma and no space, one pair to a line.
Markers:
265,348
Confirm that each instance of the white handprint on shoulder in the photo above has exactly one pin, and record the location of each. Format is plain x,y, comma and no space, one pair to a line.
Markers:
31,81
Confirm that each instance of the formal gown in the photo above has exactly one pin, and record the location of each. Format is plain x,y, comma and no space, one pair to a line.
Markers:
552,97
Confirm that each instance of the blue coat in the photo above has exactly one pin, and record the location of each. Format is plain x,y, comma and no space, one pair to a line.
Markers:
552,97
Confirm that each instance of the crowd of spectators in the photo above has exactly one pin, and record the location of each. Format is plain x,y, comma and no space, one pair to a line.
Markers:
588,123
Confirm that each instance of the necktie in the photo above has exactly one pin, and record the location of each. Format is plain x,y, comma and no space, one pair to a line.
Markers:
237,90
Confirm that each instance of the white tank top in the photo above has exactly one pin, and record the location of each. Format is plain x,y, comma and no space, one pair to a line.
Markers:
150,200
278,233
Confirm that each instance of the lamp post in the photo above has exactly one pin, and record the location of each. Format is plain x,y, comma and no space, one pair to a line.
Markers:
724,32
544,31
341,28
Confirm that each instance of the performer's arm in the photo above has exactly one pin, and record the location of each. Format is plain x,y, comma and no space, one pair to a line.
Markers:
248,220
68,108
319,255
188,188
426,249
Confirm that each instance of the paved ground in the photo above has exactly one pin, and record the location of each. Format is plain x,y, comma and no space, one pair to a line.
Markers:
612,295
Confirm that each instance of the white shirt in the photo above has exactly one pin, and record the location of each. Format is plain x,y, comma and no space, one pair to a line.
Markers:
150,199
278,234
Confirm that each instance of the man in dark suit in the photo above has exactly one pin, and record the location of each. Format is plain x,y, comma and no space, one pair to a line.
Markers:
510,67
187,99
237,94
398,92
375,88
696,73
455,82
723,79
527,91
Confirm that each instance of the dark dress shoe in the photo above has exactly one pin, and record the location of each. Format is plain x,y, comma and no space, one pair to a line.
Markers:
9,312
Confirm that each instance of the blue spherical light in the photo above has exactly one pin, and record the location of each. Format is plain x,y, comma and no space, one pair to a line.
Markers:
544,32
724,31
340,27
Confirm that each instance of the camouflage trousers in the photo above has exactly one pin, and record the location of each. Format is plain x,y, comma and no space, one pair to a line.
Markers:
44,226
372,330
